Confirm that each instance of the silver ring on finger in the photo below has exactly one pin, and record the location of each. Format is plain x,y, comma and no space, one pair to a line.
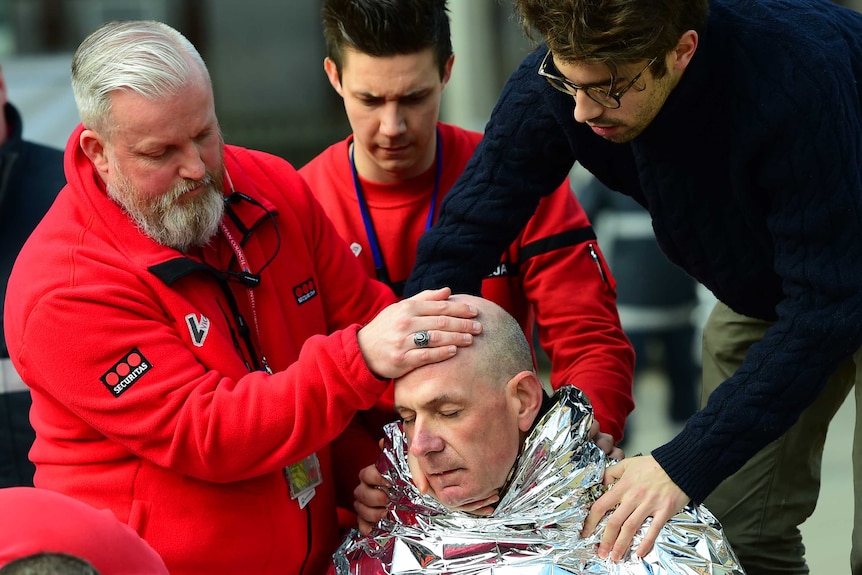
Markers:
422,338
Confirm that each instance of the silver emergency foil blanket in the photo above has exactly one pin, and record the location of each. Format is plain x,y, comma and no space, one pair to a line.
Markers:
535,527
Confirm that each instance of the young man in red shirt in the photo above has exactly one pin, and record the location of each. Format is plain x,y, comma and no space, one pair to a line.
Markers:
383,184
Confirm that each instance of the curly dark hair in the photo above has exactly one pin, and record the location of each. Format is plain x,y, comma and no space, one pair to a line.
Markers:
612,32
387,28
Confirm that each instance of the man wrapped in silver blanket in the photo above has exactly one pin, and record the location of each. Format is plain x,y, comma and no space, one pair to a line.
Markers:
486,474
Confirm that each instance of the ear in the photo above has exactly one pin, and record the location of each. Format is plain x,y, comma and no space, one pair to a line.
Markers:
93,146
447,70
527,389
684,51
332,73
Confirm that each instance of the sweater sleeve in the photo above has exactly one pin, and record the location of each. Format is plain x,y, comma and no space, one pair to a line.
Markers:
802,152
523,156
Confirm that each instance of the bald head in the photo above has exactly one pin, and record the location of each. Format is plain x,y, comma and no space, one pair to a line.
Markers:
465,418
498,353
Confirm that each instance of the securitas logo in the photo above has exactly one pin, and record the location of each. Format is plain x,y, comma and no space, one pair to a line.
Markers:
126,372
305,291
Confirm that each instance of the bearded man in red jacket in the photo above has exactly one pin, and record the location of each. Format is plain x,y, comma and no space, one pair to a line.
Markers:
192,328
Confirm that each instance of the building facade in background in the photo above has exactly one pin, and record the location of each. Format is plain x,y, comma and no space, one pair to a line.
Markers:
265,58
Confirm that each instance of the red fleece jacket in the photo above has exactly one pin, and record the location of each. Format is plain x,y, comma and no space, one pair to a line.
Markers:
143,401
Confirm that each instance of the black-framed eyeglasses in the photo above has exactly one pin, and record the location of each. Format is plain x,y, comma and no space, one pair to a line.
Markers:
598,94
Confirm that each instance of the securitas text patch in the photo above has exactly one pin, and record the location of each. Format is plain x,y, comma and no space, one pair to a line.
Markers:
305,291
126,372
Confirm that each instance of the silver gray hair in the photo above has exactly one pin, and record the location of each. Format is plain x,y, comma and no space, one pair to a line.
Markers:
143,56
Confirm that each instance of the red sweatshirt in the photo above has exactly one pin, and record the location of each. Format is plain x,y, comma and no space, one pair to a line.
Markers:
143,401
554,271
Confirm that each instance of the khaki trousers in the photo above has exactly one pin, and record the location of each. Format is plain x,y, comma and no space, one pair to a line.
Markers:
762,505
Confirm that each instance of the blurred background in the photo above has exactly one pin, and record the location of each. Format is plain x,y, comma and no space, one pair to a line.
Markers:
265,58
266,62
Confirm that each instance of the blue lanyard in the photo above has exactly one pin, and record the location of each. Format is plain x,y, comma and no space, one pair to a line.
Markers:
379,264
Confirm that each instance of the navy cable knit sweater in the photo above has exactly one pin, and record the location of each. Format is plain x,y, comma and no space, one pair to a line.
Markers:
752,172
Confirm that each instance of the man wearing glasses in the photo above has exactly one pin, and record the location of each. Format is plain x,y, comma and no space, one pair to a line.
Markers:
737,125
602,93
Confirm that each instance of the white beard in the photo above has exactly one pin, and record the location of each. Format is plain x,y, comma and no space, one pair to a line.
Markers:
170,219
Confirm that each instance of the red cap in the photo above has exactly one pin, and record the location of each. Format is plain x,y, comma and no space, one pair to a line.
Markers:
39,520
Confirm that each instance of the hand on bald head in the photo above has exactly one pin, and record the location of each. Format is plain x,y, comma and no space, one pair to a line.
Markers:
496,355
465,418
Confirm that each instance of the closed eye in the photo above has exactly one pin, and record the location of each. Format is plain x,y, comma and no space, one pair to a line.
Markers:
370,101
157,154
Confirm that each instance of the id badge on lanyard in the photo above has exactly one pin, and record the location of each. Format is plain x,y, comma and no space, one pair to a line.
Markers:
302,478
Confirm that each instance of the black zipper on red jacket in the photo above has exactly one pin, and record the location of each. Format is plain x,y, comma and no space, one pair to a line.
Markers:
309,537
172,270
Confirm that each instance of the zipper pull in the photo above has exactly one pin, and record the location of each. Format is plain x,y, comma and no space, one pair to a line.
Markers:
266,367
596,259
